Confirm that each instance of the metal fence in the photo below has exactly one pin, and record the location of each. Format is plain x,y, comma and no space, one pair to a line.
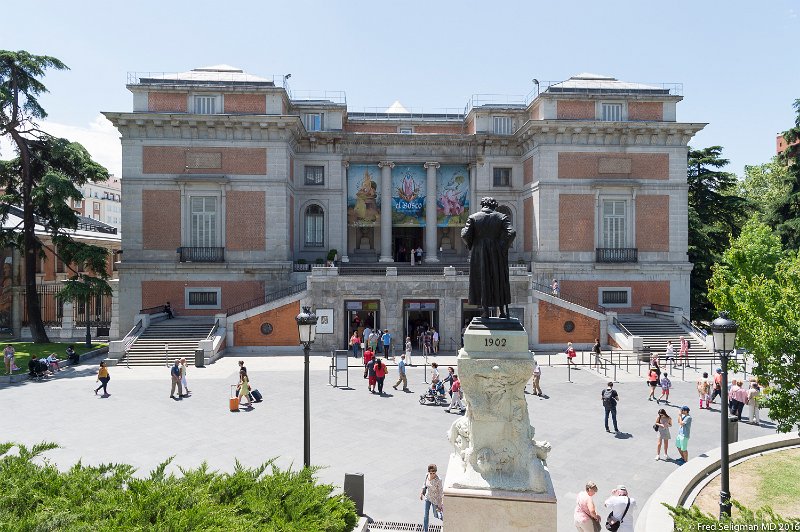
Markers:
52,308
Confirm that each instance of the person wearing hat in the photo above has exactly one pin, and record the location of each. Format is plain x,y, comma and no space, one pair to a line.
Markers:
622,505
684,431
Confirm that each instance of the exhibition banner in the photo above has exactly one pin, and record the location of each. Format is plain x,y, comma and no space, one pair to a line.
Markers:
452,195
363,195
408,195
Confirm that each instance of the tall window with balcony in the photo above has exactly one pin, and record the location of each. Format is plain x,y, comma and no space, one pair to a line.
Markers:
615,233
315,227
502,125
313,121
204,231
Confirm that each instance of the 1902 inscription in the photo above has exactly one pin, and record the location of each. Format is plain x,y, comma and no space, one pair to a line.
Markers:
495,342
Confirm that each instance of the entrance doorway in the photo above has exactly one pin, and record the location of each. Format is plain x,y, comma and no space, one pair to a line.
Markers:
406,239
467,313
418,317
358,316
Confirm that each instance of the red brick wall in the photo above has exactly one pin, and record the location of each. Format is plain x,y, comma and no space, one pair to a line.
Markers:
284,327
351,127
161,219
551,325
245,104
527,210
652,222
576,222
527,171
643,293
471,126
590,165
653,111
245,216
174,160
170,102
156,293
575,110
444,129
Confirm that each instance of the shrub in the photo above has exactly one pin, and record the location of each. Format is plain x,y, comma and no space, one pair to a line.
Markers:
332,254
691,519
37,496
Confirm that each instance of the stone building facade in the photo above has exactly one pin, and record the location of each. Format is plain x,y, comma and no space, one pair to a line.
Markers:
232,187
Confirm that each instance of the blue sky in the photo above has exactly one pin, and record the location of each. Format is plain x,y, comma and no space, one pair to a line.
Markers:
737,60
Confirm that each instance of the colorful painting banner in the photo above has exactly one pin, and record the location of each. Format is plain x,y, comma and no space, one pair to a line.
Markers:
363,195
408,195
452,195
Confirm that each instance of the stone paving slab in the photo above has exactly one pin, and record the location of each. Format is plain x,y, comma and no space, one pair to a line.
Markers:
390,439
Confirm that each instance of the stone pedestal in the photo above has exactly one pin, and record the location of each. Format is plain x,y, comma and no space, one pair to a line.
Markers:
497,477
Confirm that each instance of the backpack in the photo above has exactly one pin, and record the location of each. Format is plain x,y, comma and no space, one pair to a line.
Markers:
608,397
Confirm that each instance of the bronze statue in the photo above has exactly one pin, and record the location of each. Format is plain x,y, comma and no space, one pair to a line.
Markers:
488,235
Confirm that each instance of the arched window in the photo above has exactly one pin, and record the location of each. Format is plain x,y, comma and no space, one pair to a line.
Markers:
315,226
505,210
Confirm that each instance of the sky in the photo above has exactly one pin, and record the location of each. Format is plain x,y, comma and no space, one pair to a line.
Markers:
737,60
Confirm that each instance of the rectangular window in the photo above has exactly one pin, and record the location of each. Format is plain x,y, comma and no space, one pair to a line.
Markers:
203,298
315,175
313,121
614,297
406,130
612,112
614,224
206,105
502,177
503,125
203,221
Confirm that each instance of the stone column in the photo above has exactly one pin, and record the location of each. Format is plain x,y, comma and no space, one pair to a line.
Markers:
431,244
345,228
386,211
473,187
68,320
113,331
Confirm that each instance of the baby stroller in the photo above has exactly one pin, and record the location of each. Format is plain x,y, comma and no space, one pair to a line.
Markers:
37,369
435,395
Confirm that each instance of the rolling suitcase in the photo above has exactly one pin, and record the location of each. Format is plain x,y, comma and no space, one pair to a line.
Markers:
257,396
234,400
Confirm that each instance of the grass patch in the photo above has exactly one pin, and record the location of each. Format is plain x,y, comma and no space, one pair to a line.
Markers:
35,495
25,350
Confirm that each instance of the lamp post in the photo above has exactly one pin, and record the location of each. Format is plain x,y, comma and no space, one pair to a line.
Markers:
307,327
724,331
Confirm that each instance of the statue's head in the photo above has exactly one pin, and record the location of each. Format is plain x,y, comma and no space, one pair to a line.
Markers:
490,203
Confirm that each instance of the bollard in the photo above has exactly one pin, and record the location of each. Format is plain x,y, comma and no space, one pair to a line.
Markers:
354,489
569,371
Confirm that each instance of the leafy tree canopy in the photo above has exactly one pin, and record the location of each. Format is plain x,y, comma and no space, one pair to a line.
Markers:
758,283
784,215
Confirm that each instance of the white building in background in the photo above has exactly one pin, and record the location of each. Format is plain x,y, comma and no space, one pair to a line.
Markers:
102,201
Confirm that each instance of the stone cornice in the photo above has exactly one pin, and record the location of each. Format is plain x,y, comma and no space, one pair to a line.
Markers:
581,132
206,127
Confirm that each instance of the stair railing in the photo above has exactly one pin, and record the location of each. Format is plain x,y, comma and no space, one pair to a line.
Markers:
618,324
128,341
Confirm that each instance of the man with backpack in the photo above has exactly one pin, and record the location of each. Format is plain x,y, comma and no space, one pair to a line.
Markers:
610,398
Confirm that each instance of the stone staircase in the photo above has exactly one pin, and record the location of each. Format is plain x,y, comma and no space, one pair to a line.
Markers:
656,331
180,334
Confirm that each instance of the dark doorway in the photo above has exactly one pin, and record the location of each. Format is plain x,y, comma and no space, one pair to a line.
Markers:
406,239
420,316
359,315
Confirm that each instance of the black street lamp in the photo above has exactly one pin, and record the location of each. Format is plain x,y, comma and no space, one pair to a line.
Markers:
724,331
307,327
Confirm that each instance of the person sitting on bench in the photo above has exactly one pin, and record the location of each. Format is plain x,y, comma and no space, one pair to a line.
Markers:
72,356
168,311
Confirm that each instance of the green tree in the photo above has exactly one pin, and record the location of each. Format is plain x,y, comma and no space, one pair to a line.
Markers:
758,283
715,212
45,175
765,185
784,216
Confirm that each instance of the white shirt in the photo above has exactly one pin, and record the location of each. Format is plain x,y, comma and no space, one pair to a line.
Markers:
617,503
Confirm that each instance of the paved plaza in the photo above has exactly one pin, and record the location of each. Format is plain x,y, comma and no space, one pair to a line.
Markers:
389,439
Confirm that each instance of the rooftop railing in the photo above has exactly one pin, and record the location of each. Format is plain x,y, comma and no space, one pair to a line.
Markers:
410,113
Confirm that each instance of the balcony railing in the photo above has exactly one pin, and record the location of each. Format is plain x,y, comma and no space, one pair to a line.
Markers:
617,255
202,254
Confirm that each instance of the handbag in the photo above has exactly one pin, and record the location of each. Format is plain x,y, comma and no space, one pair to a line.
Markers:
656,427
612,523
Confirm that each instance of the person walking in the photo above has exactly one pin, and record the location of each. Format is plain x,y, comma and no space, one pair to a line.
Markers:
742,397
683,353
753,396
684,431
669,353
435,340
457,395
370,371
717,385
652,381
570,354
355,344
610,398
427,343
662,425
622,505
408,351
401,369
536,388
586,518
703,389
175,375
387,344
555,288
103,377
432,495
666,384
596,350
244,388
183,376
734,405
380,374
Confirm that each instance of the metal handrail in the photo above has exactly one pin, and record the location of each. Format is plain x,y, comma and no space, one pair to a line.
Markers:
665,308
572,299
695,329
152,310
129,339
266,298
618,324
213,330
616,255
